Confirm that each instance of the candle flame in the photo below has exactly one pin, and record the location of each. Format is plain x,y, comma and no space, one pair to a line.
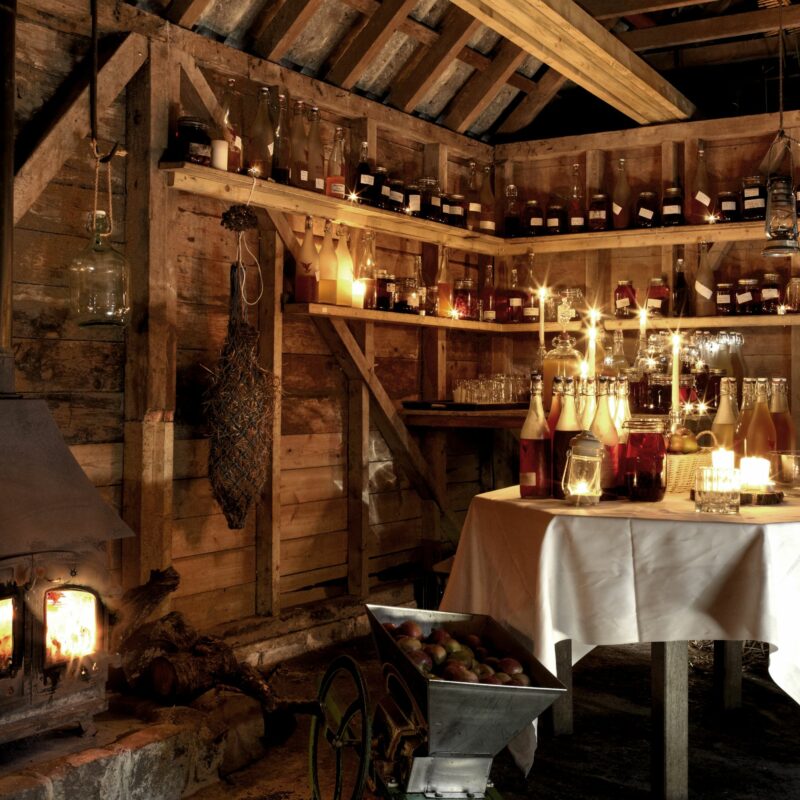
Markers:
676,342
642,315
594,316
352,197
584,369
542,292
454,314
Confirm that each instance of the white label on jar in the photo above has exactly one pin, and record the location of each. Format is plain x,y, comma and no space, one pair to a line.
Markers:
304,175
601,214
653,302
751,192
413,202
616,208
576,222
319,183
527,479
770,294
475,207
531,312
436,201
369,180
703,291
457,210
445,209
412,300
703,198
536,222
729,205
386,191
396,196
337,189
515,302
489,316
486,225
744,297
723,299
623,302
757,202
646,213
672,210
552,222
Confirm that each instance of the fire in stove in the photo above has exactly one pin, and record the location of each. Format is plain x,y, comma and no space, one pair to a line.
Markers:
6,634
70,625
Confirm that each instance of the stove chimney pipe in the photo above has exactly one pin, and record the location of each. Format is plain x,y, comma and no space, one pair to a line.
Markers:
8,19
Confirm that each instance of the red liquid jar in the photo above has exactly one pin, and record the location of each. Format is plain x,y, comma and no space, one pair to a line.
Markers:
645,460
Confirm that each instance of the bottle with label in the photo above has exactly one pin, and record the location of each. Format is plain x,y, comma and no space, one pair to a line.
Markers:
680,291
262,139
576,211
328,267
724,425
299,172
556,402
282,152
605,429
335,180
588,404
785,430
534,218
444,285
761,436
530,297
567,426
700,207
515,297
233,126
534,448
344,269
746,413
316,154
705,304
624,299
367,267
307,268
618,362
488,309
487,223
621,198
364,179
473,199
512,221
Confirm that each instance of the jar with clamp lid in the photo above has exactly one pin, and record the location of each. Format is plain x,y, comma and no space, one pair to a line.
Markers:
754,198
646,215
724,300
770,293
599,212
624,300
556,218
748,296
672,206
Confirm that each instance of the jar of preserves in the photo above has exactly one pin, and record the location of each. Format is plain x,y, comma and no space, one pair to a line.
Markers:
658,298
465,299
748,296
429,188
754,198
407,300
770,293
556,218
645,459
792,296
534,218
456,210
646,215
672,206
599,212
724,300
397,195
385,288
728,207
193,141
381,189
413,200
624,300
659,394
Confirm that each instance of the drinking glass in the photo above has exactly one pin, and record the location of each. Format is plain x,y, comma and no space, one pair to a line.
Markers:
716,490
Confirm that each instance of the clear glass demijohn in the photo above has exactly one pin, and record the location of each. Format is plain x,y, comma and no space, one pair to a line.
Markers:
98,279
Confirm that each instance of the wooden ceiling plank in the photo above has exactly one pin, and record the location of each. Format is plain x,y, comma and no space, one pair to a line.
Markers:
186,12
457,29
547,87
605,9
482,87
290,19
680,34
369,42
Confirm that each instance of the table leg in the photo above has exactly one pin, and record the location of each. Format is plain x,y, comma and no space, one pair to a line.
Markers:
670,720
561,710
728,675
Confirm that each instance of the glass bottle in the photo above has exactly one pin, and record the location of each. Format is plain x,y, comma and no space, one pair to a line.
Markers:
680,291
556,402
367,266
567,426
422,290
298,175
233,126
588,406
618,362
328,267
262,139
444,285
488,310
98,278
622,410
705,304
487,223
512,222
335,180
621,198
700,208
515,298
724,424
364,179
344,269
316,153
307,268
605,429
785,430
282,152
748,402
534,448
563,360
530,297
473,199
576,213
761,436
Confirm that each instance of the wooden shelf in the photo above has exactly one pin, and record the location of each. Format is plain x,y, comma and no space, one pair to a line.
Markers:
465,419
695,323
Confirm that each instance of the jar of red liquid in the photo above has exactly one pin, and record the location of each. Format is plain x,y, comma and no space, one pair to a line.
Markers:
646,215
645,459
556,218
385,288
658,298
770,293
599,213
465,299
624,300
672,206
728,207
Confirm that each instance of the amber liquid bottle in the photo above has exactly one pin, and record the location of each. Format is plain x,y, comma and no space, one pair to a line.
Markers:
534,448
567,427
605,430
488,310
335,180
785,430
761,435
556,402
307,268
576,212
282,153
299,171
745,415
621,198
316,156
724,425
473,199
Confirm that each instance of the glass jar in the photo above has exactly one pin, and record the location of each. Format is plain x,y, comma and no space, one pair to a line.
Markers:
658,298
456,211
646,214
599,212
397,195
624,300
563,360
556,218
429,189
792,299
754,198
645,459
465,299
659,394
534,218
748,296
770,293
407,300
193,141
381,188
728,207
385,288
413,200
724,300
672,206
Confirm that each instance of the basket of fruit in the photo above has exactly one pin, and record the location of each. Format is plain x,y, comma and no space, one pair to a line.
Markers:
684,456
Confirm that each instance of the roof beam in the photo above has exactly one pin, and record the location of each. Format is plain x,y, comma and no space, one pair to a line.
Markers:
482,87
186,12
275,39
605,9
547,87
369,42
457,29
565,37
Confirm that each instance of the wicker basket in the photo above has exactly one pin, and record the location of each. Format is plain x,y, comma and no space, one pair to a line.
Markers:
681,468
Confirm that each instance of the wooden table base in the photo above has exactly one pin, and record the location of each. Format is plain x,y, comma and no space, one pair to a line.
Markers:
670,720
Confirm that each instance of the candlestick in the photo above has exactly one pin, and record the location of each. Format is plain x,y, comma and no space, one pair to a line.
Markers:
542,298
722,458
591,351
359,290
676,370
642,322
755,474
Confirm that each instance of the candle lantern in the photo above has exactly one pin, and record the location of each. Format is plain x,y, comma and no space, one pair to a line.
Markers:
781,218
581,479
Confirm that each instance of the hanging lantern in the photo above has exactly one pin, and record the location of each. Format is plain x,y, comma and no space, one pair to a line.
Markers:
98,279
781,220
581,479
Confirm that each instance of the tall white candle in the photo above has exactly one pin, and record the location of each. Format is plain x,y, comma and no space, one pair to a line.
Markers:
542,298
676,371
642,322
591,351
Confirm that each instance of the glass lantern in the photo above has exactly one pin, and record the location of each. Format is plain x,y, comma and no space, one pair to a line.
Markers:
98,279
582,472
780,226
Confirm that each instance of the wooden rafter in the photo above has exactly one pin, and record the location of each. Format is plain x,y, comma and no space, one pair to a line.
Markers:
482,87
369,42
605,9
547,87
186,12
288,22
457,29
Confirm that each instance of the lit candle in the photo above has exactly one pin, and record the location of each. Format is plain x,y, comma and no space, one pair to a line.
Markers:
642,322
542,298
722,458
590,355
676,371
755,474
584,370
359,290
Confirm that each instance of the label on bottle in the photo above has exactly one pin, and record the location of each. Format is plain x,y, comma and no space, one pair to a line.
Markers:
319,183
646,213
489,316
527,479
457,210
368,180
530,312
672,210
306,268
616,208
445,209
576,222
386,191
751,192
486,225
757,202
623,302
744,297
436,200
728,205
337,189
536,222
653,302
703,198
552,222
723,299
475,207
597,214
702,290
304,175
396,196
413,202
514,302
770,294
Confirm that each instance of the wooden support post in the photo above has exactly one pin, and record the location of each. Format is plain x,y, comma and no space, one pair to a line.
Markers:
669,177
670,720
270,350
151,342
561,712
728,675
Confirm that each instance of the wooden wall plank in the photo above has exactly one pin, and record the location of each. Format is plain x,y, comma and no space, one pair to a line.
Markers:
204,610
192,536
314,552
204,573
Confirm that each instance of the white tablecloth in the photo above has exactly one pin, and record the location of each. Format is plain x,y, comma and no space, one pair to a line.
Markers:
625,572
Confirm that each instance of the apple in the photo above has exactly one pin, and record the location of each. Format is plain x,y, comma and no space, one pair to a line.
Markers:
437,653
421,660
410,628
409,643
510,666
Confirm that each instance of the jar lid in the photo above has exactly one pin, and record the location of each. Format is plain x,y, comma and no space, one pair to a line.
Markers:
381,170
748,281
412,187
673,191
532,203
646,424
647,194
457,197
772,277
600,196
656,281
192,122
464,283
759,179
397,182
728,194
724,286
555,207
624,283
